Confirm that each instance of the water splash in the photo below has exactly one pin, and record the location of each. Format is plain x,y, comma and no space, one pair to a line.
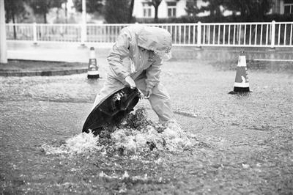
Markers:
81,143
172,138
135,135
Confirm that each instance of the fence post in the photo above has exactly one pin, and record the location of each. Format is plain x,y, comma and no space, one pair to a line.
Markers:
83,34
199,34
35,33
273,31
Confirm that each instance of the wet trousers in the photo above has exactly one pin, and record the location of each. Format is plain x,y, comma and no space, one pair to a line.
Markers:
159,99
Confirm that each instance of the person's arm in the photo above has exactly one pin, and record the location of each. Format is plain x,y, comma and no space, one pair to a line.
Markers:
119,51
153,75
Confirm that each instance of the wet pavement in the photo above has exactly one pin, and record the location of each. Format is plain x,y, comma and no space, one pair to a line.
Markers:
73,58
243,144
74,52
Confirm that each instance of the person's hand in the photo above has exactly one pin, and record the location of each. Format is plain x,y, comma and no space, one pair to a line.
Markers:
148,93
130,82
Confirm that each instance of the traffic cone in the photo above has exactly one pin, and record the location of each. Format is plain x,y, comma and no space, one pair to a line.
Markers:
241,84
93,68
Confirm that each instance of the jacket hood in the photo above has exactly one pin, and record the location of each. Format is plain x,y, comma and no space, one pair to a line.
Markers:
155,39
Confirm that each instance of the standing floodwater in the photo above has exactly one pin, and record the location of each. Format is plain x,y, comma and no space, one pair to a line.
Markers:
222,144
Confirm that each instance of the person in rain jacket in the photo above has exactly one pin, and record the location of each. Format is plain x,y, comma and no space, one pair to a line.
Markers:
135,60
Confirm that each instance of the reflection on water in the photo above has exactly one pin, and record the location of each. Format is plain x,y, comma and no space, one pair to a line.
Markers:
233,54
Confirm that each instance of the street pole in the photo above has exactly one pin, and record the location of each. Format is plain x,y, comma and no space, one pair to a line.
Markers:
3,44
83,25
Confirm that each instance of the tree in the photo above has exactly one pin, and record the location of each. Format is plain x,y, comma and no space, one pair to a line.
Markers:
192,8
130,11
156,4
213,7
42,7
250,10
13,8
92,6
116,11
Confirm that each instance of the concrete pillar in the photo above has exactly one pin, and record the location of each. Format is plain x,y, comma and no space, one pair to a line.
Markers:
3,45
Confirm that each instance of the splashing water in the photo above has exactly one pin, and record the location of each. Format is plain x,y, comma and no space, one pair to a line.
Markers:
81,143
148,138
135,135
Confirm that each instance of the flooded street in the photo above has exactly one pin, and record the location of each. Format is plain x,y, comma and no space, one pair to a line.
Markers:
239,144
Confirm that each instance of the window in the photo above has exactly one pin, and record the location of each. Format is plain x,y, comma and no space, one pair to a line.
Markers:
288,9
147,9
171,7
288,6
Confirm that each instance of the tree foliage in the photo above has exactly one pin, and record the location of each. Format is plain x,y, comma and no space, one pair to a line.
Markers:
250,10
213,7
42,7
92,6
13,8
116,11
192,8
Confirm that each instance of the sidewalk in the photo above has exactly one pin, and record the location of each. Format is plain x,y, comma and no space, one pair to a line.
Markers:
26,59
41,68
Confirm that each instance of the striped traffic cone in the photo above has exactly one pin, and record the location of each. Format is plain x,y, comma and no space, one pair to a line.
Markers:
93,68
241,84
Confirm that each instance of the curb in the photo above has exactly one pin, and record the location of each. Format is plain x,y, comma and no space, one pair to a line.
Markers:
18,73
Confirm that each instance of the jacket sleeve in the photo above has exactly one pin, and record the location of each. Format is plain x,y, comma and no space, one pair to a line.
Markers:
119,51
153,74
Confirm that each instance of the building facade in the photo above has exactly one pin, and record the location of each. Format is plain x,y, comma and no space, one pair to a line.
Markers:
143,9
168,8
282,7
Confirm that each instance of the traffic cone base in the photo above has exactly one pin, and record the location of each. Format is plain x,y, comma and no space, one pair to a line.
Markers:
96,76
241,89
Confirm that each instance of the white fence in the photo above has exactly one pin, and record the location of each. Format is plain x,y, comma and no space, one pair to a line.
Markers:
271,34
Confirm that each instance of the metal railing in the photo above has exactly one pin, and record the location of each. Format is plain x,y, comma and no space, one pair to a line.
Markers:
270,34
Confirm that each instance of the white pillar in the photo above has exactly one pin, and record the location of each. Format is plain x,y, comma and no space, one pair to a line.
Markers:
83,25
35,33
273,33
3,44
198,34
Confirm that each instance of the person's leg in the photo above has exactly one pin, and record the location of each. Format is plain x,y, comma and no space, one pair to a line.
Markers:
109,87
161,103
159,100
